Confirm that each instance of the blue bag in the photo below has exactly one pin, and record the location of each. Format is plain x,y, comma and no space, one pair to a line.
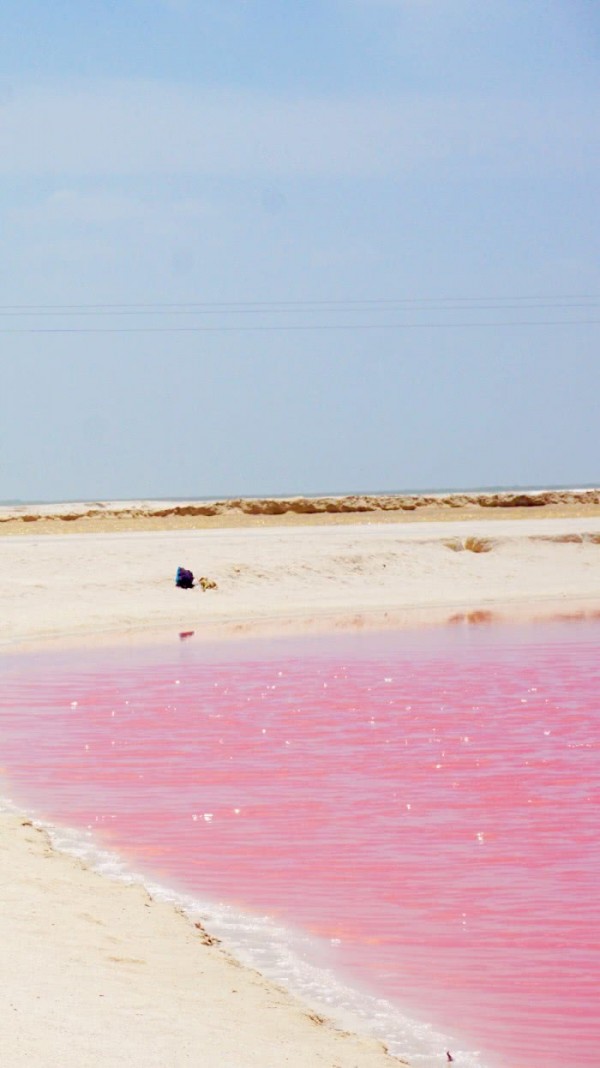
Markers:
184,578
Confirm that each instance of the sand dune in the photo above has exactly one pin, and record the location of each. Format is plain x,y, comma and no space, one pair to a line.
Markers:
104,515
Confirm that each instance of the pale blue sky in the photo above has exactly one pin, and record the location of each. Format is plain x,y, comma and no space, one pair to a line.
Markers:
263,159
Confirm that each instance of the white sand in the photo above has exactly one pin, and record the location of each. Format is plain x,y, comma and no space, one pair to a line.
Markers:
74,586
95,973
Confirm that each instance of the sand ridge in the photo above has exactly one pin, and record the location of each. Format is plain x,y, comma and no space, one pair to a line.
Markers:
138,515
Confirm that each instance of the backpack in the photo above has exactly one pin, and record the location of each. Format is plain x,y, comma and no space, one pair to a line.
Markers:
184,578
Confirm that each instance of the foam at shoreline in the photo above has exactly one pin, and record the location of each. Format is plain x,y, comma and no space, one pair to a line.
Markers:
288,958
68,903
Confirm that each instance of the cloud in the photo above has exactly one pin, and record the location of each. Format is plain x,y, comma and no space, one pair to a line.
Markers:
87,208
132,128
104,208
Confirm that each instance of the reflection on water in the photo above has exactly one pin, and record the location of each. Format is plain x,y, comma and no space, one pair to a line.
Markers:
426,804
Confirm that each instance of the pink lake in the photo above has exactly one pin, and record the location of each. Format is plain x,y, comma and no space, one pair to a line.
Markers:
412,816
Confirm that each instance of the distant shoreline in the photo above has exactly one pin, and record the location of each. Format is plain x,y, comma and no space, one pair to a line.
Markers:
412,491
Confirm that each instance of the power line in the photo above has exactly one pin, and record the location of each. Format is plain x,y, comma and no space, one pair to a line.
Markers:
554,300
189,311
267,311
291,327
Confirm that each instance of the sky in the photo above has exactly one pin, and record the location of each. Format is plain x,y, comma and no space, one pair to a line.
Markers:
323,246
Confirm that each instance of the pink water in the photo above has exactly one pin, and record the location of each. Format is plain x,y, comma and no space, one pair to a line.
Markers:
425,803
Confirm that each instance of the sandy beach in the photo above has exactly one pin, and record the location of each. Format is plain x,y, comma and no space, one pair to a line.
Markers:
77,572
95,972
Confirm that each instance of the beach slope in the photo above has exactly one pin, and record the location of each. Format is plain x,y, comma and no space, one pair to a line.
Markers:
95,973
